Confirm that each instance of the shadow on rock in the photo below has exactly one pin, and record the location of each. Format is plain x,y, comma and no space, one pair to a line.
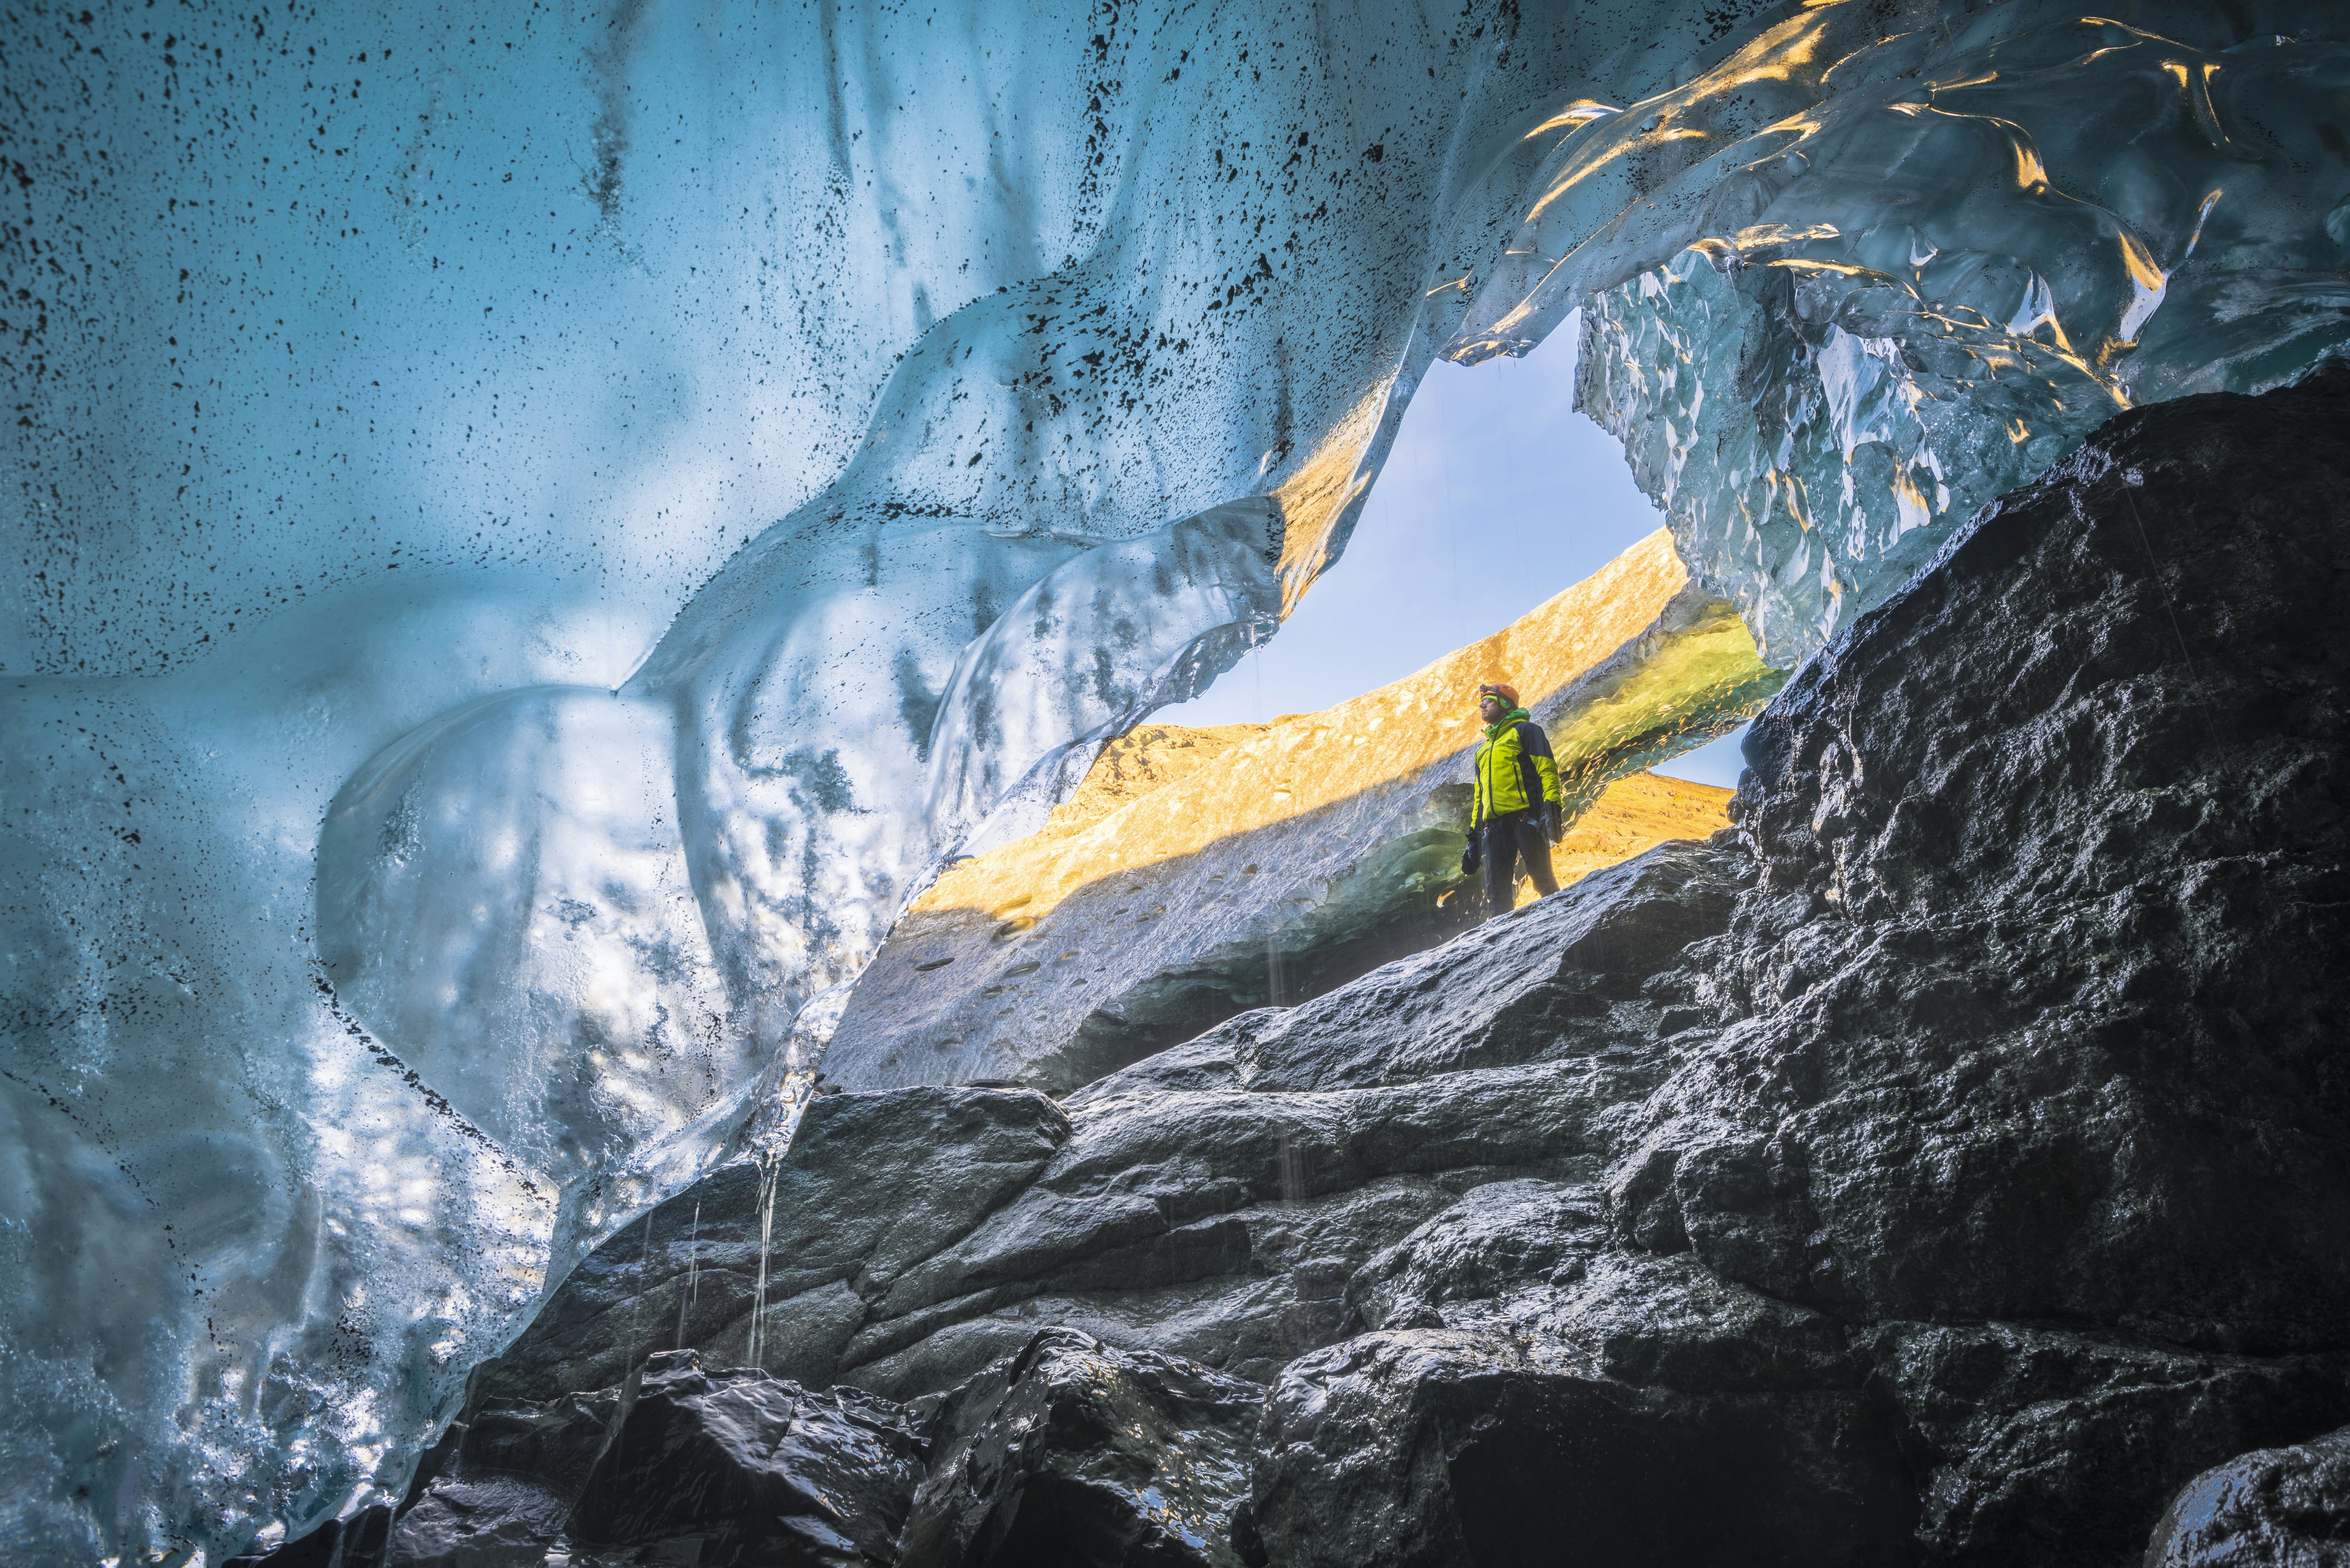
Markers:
1945,1168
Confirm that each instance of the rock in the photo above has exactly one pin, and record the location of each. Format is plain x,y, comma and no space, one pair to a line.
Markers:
495,1523
2037,996
747,1468
1210,1203
1500,1237
1290,860
1074,1453
1426,1447
2277,1508
336,1543
871,1184
1532,1261
1944,1167
1577,975
2041,1445
497,1489
555,1443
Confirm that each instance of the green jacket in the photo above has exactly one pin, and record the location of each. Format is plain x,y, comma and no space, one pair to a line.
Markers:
1515,768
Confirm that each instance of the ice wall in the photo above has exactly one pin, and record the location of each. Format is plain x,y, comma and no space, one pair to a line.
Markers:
1854,282
533,527
394,385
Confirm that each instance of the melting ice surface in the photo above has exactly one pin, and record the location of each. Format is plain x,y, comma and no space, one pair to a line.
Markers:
534,530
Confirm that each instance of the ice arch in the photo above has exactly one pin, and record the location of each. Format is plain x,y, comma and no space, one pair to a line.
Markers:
533,528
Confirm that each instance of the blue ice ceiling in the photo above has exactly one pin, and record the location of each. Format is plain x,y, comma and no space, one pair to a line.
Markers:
532,528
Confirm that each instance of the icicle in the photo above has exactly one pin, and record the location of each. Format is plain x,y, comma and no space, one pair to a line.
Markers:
771,1165
693,1273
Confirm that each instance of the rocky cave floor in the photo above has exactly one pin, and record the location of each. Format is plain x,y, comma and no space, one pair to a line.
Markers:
1946,1165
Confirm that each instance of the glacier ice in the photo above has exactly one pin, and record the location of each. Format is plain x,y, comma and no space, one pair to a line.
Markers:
1848,286
536,528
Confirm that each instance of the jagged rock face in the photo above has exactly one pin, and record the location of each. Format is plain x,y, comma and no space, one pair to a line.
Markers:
493,1523
501,1484
1211,1202
2053,1445
2279,1508
1422,1448
1072,1451
874,1185
1945,1168
750,1469
2038,986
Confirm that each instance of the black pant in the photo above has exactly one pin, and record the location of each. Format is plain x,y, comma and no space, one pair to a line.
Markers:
1507,837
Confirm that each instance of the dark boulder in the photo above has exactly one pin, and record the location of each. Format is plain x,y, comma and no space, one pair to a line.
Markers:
497,1521
336,1543
1074,1454
498,1488
872,1184
743,1469
2038,999
555,1443
1434,1448
2277,1508
2055,1446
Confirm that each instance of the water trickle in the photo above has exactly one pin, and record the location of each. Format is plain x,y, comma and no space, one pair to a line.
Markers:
1292,1170
771,1165
693,1273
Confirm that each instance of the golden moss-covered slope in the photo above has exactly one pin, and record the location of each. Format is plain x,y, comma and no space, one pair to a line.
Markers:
1194,873
1608,635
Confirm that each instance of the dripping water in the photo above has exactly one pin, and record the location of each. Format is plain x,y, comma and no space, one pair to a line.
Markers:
771,1165
693,1274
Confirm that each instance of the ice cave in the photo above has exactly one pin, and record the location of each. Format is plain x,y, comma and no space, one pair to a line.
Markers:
604,964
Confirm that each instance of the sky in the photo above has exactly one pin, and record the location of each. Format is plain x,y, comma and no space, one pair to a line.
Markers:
1496,496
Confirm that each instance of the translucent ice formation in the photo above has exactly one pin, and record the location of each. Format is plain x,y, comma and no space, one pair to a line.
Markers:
1852,283
534,530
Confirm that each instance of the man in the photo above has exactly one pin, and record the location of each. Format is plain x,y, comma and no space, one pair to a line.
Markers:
1517,809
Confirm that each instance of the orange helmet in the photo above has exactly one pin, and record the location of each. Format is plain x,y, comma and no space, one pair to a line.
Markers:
1502,689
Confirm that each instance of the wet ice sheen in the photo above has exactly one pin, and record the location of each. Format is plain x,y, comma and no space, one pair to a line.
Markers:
1877,281
533,535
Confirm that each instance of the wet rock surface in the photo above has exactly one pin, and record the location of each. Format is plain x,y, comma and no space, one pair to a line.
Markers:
1210,1203
873,1185
1072,1451
2036,1003
2277,1508
736,1467
1945,1167
1439,1446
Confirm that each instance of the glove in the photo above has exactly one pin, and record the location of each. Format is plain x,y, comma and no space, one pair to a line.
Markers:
1554,827
1472,856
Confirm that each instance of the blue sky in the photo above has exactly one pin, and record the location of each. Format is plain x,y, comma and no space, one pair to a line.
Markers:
1496,496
